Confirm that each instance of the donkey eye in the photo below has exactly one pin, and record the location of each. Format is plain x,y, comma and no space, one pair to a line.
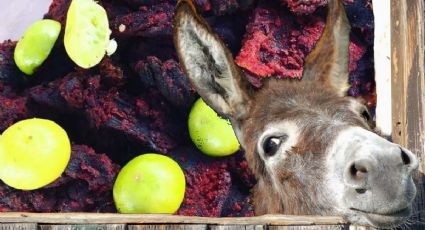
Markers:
272,144
366,115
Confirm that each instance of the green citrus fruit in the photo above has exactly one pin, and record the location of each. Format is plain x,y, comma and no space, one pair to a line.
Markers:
212,134
33,153
35,45
149,183
86,33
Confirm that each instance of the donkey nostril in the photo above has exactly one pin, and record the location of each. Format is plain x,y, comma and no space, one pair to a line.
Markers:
360,190
358,171
405,157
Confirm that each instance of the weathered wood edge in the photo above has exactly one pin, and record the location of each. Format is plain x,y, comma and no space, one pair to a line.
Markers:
113,218
408,74
82,227
19,226
408,86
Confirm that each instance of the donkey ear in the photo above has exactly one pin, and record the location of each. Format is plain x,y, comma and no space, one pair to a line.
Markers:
328,62
208,63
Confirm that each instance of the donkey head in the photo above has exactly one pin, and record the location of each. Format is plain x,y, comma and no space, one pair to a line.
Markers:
312,149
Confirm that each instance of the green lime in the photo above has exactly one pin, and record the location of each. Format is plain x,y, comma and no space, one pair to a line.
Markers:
212,134
33,153
86,33
35,45
149,183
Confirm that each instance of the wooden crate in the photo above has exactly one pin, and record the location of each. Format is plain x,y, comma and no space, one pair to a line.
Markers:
95,221
400,76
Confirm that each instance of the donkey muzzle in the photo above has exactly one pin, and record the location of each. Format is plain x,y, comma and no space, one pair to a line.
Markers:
376,176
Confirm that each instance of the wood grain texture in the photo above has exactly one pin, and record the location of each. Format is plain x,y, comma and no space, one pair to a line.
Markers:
113,218
18,226
84,227
169,227
323,227
408,85
237,227
354,227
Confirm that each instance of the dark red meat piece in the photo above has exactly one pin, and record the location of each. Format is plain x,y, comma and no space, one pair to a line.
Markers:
276,42
221,7
203,5
206,7
240,170
12,110
154,18
83,94
229,28
360,14
9,72
151,21
140,49
138,3
13,104
304,6
85,186
168,78
112,73
208,186
214,186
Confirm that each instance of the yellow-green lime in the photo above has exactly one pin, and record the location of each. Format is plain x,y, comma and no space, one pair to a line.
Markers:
86,33
33,153
212,134
35,45
149,183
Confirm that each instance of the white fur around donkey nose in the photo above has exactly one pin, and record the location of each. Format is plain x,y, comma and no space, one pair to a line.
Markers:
375,174
371,162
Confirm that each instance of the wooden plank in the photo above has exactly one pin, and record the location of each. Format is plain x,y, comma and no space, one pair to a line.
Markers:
169,227
355,227
237,227
408,86
105,218
18,226
84,227
325,227
408,78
